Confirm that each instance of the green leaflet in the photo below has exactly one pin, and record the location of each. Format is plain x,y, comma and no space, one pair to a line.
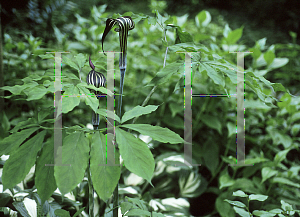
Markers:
44,175
109,174
13,141
156,133
136,154
75,155
138,111
21,160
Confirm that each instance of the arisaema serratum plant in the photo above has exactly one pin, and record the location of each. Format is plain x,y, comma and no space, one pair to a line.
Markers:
96,79
125,24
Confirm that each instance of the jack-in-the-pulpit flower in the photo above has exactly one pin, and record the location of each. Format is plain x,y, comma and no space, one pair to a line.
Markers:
125,24
97,79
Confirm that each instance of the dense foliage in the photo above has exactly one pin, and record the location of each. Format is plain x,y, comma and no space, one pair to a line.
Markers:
149,183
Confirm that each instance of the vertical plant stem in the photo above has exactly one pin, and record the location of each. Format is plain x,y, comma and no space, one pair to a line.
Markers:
91,191
117,154
116,191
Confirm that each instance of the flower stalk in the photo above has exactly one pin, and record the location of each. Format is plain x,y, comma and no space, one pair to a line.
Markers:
125,24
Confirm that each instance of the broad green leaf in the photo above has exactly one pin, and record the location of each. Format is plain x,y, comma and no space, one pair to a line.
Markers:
156,133
286,206
21,160
261,43
241,212
262,213
15,90
69,62
70,99
200,18
101,89
71,76
109,174
160,19
227,69
212,122
239,193
226,30
234,35
278,62
225,181
236,203
189,47
182,36
203,18
280,156
231,128
109,114
285,181
224,208
125,206
138,111
62,213
36,93
47,56
276,211
267,173
44,175
136,17
254,86
138,212
278,87
211,156
13,141
90,99
80,60
255,160
269,56
136,154
75,156
258,197
165,73
217,77
256,53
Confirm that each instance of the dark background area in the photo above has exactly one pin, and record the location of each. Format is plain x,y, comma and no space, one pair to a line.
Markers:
270,18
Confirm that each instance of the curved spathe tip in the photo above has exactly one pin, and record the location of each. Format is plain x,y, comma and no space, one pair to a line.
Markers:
91,64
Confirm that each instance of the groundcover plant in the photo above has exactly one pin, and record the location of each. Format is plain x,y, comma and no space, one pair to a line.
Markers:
125,164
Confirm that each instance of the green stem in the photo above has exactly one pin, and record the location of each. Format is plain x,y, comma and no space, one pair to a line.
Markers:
117,154
91,192
116,191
